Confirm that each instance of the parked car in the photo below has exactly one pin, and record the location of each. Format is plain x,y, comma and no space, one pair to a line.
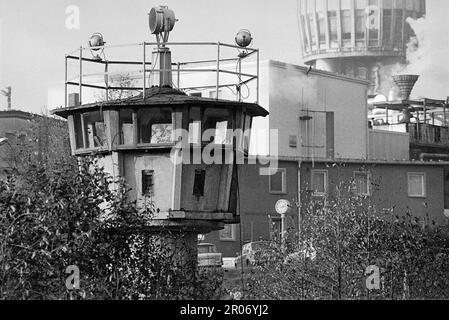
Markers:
251,253
208,255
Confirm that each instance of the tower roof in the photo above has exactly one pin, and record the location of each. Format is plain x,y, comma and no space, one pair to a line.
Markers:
164,96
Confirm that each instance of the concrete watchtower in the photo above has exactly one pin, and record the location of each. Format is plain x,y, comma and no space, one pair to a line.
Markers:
163,142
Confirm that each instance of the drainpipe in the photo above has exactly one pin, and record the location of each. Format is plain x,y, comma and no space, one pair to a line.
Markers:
299,202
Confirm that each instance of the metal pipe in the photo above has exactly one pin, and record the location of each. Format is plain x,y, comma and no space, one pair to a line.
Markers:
65,84
257,83
81,75
218,69
178,74
444,111
240,80
144,71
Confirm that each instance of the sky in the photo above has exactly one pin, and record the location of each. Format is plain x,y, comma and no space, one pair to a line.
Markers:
34,37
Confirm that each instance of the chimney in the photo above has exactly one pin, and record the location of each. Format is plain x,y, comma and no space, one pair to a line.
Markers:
405,83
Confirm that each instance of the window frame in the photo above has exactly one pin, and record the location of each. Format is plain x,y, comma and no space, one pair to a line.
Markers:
233,237
424,184
137,128
368,183
283,181
326,182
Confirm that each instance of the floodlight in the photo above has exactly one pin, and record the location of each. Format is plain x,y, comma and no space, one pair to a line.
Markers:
95,42
243,38
161,21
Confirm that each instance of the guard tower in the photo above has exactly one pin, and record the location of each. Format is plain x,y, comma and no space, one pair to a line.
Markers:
177,152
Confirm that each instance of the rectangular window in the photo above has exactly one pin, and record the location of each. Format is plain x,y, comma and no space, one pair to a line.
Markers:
78,131
292,141
195,125
228,233
198,182
147,182
126,127
277,181
155,125
319,182
416,185
362,183
217,125
94,129
196,94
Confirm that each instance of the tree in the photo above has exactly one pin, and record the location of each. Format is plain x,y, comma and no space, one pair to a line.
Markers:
70,216
341,236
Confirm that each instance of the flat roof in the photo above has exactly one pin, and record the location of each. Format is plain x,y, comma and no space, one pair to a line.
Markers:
353,161
313,71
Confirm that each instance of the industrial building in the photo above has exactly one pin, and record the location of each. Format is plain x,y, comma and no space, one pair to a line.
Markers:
359,38
325,138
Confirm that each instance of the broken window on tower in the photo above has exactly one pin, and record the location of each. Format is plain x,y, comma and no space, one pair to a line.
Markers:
94,129
155,125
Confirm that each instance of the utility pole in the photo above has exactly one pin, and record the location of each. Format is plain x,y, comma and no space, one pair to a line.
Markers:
7,93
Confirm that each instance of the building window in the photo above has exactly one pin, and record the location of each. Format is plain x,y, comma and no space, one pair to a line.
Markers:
94,129
126,127
218,123
147,182
277,181
228,233
292,141
319,182
195,125
155,125
198,182
196,94
247,133
362,183
78,131
416,185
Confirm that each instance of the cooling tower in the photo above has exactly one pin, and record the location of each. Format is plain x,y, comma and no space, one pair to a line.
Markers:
357,37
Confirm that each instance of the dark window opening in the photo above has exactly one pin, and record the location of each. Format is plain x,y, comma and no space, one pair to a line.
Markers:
147,182
292,141
199,181
94,129
78,131
126,127
220,122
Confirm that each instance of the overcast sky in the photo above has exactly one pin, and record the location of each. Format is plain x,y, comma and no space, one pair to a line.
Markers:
34,37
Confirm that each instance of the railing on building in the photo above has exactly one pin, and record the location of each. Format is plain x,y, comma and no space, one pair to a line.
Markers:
218,66
429,135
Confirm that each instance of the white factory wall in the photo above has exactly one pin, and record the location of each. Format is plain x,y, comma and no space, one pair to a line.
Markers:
292,90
